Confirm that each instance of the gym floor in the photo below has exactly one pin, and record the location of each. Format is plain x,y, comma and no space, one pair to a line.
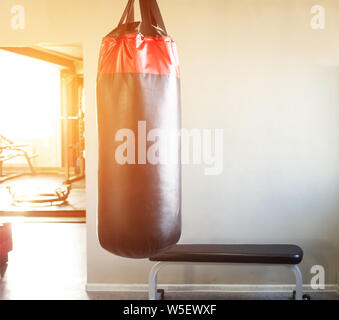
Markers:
49,262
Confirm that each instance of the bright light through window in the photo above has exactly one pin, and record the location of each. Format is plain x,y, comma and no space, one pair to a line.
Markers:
29,97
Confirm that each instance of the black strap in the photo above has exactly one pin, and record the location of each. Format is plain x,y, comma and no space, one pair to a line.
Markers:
155,11
128,13
150,15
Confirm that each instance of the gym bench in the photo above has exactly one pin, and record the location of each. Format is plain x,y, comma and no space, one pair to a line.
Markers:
287,255
8,151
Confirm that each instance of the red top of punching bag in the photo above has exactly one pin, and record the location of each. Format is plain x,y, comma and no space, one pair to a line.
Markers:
139,47
134,53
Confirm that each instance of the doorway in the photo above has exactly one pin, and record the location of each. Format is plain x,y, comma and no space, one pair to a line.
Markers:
42,132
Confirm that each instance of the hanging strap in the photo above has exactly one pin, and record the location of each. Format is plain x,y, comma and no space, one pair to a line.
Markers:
150,15
157,15
128,13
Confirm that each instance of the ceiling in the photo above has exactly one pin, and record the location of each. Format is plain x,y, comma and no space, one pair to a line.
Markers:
70,51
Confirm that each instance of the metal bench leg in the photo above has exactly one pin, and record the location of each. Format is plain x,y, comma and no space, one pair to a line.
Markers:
152,281
1,165
153,276
299,283
28,159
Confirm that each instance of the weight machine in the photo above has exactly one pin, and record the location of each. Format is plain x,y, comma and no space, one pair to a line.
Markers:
72,124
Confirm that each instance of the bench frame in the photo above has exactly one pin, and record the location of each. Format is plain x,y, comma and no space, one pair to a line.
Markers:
153,275
13,151
19,153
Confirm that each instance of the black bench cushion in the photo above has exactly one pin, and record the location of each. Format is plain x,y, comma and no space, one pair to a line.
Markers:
238,253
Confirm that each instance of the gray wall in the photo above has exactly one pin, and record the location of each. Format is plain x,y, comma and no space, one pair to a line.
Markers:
256,69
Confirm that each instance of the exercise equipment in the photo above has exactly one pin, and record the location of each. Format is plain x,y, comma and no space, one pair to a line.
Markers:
253,254
139,202
6,245
59,197
8,151
73,127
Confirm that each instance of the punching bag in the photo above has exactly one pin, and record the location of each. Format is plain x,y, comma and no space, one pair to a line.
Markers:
138,101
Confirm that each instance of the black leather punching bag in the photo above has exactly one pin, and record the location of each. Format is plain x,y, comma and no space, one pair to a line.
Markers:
138,95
